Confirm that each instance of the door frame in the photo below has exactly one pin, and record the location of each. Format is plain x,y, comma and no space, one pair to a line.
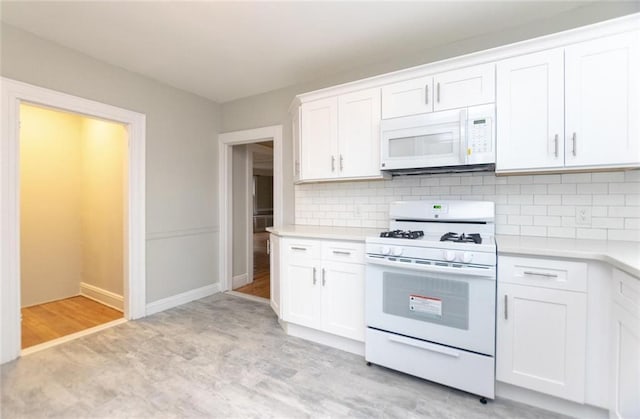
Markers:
14,92
225,143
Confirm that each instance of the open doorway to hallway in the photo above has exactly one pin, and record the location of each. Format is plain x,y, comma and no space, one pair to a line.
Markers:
73,195
252,194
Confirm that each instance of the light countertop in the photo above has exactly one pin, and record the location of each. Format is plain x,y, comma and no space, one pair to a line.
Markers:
623,255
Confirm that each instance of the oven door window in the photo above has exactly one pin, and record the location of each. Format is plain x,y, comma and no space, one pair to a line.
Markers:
428,298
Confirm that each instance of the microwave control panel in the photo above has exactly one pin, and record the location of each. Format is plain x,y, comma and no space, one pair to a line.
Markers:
479,135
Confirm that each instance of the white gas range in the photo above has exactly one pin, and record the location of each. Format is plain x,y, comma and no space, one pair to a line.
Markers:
431,293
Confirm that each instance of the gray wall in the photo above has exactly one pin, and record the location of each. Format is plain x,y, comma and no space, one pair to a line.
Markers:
272,108
181,156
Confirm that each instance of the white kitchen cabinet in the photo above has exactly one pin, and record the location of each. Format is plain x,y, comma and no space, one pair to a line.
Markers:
530,111
541,326
324,289
474,85
274,273
319,139
625,350
467,86
340,137
570,108
408,97
602,88
295,133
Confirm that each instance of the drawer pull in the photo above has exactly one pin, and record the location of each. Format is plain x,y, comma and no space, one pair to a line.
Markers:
506,307
540,274
302,249
340,252
425,346
324,281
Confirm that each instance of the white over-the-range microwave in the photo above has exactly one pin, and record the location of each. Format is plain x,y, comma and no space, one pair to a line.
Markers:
446,141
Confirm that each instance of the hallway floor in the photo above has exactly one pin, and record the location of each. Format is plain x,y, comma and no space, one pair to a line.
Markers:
260,287
227,357
44,322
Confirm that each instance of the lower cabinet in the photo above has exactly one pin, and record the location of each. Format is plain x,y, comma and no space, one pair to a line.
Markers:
323,286
541,326
624,397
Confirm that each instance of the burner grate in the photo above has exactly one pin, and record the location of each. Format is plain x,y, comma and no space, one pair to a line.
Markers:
461,238
401,234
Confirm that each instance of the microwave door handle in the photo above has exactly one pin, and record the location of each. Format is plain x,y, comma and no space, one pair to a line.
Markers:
463,136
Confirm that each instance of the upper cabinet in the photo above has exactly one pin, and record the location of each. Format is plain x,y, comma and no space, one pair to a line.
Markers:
572,107
469,86
340,137
530,111
602,92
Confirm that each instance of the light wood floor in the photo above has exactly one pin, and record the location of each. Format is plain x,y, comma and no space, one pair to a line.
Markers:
260,285
45,322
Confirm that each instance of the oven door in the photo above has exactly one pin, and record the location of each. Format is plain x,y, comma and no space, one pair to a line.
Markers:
441,304
429,140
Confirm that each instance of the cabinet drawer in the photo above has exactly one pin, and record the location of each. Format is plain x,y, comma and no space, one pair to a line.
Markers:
350,252
546,273
301,248
626,292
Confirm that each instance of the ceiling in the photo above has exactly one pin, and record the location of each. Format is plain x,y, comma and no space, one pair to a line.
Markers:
229,50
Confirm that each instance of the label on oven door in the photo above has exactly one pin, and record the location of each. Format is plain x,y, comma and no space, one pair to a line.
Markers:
427,305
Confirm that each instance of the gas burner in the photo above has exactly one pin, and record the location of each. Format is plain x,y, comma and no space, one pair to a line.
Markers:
400,234
461,238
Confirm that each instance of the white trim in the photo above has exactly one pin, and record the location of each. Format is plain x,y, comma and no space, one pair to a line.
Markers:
323,338
249,215
225,142
555,40
248,297
180,299
107,298
12,93
240,280
55,342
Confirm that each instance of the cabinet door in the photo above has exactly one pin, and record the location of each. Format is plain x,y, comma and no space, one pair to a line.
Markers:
625,381
465,87
319,139
602,94
530,112
302,293
274,273
407,97
343,299
541,340
359,134
295,132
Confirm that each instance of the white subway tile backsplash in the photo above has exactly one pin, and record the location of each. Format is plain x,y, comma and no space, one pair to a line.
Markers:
536,205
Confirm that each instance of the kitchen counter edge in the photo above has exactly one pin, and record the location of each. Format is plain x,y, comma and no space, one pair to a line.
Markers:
324,232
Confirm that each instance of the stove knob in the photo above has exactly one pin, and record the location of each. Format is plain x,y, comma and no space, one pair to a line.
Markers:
467,257
396,251
385,250
449,255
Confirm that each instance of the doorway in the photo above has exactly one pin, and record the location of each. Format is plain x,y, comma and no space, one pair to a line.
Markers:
13,94
252,194
72,200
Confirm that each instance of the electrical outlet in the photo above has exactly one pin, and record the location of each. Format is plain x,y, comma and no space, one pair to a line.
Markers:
358,210
583,216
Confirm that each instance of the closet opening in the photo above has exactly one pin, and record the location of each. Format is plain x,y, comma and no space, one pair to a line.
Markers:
73,218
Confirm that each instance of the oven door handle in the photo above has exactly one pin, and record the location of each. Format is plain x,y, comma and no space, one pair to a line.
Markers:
489,273
424,345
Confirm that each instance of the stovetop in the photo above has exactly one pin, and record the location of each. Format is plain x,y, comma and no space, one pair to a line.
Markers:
403,234
462,238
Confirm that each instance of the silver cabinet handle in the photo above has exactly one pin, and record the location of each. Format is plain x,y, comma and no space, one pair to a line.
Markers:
302,249
314,275
506,306
540,274
340,252
268,247
556,145
324,280
426,94
341,163
438,93
333,163
574,138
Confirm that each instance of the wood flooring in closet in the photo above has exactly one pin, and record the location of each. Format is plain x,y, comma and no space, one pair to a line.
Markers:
44,322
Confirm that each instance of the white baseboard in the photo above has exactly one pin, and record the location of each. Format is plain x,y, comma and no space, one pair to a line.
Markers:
338,342
102,296
239,281
185,297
